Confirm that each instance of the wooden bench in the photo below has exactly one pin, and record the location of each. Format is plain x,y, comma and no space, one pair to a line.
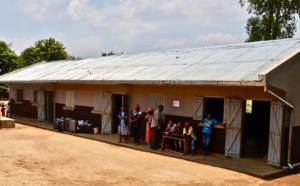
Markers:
178,137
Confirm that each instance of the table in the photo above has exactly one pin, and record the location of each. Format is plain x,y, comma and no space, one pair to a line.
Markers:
179,137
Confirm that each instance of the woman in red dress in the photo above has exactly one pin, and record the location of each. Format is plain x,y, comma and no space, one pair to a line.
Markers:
149,132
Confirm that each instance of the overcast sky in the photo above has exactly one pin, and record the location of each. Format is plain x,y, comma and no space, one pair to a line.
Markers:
89,27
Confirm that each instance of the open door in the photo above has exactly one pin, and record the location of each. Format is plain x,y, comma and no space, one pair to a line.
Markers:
275,133
50,106
117,101
41,105
233,119
106,113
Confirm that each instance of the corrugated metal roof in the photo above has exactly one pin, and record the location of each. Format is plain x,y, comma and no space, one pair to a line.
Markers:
230,63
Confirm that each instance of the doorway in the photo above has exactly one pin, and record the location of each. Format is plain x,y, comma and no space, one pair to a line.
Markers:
118,101
256,130
49,106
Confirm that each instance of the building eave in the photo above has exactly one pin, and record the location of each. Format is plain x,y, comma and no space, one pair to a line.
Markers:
141,82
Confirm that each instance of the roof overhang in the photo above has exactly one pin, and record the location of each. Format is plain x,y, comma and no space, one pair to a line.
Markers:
141,82
263,74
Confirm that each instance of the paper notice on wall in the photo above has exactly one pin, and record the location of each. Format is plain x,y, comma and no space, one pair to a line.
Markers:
176,103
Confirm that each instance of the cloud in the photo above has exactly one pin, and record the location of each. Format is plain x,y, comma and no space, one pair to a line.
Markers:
18,44
170,44
130,18
37,8
77,8
129,32
132,25
218,39
85,47
122,18
205,12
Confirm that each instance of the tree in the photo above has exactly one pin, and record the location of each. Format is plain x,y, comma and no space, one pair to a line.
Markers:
7,58
50,50
70,57
44,50
274,19
111,53
28,57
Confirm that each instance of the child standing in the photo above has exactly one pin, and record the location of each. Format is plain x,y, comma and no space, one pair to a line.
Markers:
8,107
2,110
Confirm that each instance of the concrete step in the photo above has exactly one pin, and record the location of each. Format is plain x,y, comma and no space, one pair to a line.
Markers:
7,122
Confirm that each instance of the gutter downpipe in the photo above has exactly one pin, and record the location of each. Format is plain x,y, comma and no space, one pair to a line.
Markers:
289,165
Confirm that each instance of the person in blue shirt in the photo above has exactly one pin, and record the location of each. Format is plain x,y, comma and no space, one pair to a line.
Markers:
209,124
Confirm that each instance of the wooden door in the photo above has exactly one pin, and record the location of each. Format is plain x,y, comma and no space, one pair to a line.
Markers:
275,133
233,113
41,105
198,108
106,113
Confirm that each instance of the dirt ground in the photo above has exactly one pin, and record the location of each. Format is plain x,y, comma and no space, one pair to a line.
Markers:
33,156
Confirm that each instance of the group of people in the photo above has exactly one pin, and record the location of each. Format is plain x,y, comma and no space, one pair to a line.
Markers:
153,125
154,120
7,109
184,131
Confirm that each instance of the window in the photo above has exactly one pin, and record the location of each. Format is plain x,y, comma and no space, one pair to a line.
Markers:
202,106
198,108
155,100
33,96
97,102
215,106
70,100
18,95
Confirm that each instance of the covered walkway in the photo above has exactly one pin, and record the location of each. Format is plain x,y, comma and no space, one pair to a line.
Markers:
255,168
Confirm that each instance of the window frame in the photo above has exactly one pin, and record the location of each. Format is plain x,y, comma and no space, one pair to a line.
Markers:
155,100
70,101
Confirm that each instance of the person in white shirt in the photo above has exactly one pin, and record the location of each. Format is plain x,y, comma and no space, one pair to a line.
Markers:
171,128
157,119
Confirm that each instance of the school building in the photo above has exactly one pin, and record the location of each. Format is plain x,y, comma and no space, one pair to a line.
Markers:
252,87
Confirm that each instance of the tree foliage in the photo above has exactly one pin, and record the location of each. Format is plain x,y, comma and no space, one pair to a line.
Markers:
50,50
7,58
44,50
28,57
274,19
111,53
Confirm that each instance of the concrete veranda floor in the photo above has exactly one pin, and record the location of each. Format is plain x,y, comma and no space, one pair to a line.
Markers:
255,168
